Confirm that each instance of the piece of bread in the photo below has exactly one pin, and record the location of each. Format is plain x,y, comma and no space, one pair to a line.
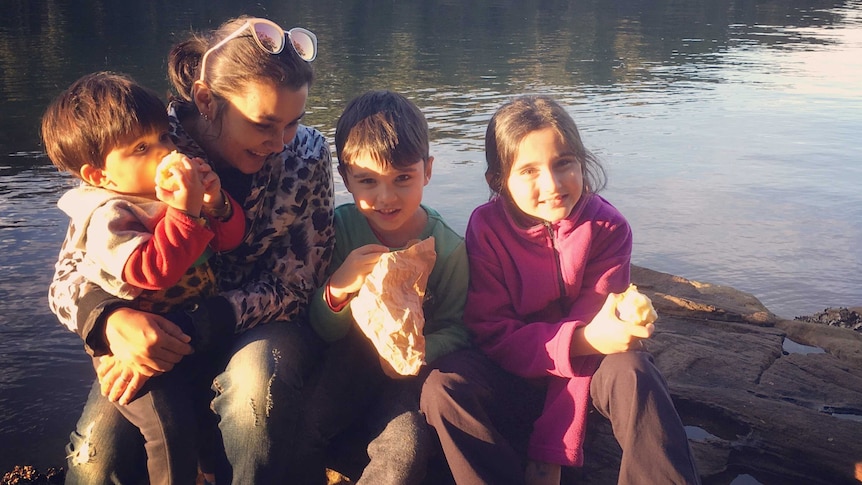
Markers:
164,178
634,307
388,307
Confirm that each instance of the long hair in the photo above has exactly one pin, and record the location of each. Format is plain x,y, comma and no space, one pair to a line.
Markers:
518,118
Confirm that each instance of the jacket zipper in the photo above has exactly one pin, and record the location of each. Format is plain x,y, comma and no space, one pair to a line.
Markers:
557,264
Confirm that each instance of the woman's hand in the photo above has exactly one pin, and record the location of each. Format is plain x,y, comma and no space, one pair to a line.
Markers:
607,334
150,343
213,198
119,381
348,278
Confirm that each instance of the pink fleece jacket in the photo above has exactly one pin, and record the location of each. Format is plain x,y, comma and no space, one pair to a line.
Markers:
532,283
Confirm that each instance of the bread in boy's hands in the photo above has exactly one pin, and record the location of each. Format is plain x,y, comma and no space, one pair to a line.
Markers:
388,307
164,178
634,307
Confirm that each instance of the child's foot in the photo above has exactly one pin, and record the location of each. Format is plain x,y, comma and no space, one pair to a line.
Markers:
540,473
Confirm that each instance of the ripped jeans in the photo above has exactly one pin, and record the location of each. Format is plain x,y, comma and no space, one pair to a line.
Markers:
257,402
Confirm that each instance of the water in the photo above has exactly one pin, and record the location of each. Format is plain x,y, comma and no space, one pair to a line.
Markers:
729,129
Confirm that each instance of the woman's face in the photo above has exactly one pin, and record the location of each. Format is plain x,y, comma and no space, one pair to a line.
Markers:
256,124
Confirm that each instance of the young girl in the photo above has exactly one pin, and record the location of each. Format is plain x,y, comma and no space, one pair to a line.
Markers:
544,254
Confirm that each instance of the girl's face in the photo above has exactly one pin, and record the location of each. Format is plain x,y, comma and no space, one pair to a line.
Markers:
255,125
546,180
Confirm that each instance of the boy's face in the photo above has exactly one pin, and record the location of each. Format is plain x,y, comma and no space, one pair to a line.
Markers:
130,168
389,197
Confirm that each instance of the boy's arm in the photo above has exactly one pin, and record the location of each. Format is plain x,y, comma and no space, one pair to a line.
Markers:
82,306
161,260
76,301
330,308
445,331
330,323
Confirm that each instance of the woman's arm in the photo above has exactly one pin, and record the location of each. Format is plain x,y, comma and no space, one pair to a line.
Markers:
82,307
228,232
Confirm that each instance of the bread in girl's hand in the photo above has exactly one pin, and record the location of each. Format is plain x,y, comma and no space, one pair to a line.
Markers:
634,307
164,178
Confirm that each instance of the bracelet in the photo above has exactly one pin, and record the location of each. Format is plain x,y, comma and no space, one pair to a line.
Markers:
224,212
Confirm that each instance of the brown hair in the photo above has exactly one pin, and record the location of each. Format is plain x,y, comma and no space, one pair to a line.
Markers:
522,116
94,115
385,125
232,66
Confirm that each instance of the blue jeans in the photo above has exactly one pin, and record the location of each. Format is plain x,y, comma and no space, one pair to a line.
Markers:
257,401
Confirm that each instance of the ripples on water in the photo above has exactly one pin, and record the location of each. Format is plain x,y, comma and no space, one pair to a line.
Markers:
44,373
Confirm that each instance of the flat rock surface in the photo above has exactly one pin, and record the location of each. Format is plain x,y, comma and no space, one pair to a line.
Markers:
778,400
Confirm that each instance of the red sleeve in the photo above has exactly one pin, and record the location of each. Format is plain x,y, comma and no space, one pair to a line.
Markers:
177,242
229,233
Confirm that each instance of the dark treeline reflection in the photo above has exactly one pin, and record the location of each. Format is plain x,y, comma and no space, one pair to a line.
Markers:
485,46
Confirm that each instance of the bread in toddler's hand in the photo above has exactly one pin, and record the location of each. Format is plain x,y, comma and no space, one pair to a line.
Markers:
634,307
388,307
164,178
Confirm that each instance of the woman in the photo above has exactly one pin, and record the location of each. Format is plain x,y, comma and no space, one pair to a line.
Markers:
240,93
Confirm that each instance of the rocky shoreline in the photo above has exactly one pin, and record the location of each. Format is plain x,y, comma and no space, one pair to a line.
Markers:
772,400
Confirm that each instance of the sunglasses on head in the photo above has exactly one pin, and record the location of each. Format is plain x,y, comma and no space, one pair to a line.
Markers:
271,38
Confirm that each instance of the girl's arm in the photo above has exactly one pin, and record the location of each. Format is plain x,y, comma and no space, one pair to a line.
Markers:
540,348
529,350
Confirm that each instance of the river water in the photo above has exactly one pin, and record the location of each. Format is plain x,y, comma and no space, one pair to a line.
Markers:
730,131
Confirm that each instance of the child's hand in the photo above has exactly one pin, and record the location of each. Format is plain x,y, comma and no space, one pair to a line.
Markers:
189,192
213,199
119,381
607,334
348,278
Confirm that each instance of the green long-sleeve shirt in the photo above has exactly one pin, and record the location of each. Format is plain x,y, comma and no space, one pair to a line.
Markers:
444,298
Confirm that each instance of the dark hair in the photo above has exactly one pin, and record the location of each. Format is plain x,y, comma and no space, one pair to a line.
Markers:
94,115
385,125
522,116
232,66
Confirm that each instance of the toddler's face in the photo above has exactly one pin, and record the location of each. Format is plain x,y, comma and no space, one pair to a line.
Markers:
130,168
389,197
546,180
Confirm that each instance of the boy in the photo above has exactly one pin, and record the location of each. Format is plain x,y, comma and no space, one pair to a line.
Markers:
143,242
381,141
